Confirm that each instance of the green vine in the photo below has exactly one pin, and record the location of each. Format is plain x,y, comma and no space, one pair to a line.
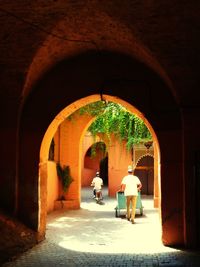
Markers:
112,118
98,146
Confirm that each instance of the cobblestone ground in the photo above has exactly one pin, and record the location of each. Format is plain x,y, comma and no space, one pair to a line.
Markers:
93,236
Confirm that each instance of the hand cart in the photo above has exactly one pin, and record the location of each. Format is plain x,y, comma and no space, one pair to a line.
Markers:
121,203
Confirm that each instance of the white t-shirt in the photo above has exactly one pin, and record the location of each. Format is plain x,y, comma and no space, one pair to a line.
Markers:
131,182
97,182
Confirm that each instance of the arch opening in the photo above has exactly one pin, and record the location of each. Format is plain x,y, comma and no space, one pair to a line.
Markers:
78,160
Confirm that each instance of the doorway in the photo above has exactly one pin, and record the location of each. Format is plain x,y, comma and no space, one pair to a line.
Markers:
145,171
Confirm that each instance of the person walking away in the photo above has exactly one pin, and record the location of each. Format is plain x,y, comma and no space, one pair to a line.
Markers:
130,185
97,183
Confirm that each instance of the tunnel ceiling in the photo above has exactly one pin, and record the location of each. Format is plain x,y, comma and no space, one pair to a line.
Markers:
41,38
162,28
98,73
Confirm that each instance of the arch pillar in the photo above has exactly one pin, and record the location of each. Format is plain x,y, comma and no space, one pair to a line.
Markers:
156,196
171,187
43,174
71,132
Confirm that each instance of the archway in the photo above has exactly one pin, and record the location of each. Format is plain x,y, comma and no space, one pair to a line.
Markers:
164,118
77,162
94,159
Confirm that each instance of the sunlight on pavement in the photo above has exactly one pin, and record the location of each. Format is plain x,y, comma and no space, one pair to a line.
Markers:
94,228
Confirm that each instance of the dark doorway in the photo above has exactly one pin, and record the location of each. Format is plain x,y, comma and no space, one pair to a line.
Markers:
145,172
104,170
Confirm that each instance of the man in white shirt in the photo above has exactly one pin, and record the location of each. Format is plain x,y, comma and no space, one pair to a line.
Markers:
97,182
130,185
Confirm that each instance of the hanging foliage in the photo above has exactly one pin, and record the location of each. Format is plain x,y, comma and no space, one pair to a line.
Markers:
112,118
65,176
98,146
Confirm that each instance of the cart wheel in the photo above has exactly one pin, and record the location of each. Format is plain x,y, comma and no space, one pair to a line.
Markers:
141,211
116,214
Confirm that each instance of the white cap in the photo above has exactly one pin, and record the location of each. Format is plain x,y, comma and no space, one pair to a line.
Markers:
130,169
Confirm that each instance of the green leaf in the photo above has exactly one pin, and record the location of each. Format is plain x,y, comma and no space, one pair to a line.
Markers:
113,118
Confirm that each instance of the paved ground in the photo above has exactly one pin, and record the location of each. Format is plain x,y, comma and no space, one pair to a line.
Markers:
93,236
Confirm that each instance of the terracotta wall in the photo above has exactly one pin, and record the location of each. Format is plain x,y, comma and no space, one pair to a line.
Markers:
65,149
87,176
118,161
52,185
